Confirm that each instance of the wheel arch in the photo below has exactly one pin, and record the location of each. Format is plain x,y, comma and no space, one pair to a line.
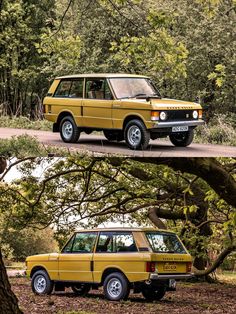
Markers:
132,117
111,270
62,115
36,268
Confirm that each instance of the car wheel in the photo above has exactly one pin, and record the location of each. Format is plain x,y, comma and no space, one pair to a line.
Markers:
81,289
153,293
116,287
182,139
113,135
41,283
136,135
68,130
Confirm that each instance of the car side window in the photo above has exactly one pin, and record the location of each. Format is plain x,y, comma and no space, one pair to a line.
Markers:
98,89
84,242
63,89
115,242
76,90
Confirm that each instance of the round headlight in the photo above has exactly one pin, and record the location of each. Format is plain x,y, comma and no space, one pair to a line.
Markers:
195,114
163,115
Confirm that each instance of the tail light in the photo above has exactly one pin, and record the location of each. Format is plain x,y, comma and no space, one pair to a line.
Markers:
150,267
188,267
200,114
44,108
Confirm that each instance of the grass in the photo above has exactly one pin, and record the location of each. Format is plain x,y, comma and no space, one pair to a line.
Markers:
24,145
227,277
24,123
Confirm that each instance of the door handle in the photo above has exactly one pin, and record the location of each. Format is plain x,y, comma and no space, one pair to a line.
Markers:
116,106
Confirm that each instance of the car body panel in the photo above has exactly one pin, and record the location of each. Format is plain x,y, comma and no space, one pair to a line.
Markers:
90,267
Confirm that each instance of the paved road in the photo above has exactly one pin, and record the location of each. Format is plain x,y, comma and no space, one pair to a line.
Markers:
98,144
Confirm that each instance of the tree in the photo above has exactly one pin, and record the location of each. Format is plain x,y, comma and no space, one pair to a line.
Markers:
198,203
8,301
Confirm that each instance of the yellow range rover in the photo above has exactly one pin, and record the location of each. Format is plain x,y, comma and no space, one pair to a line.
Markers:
146,260
125,107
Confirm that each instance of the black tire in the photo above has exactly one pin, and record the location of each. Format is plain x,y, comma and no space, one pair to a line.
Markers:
116,287
41,283
68,130
182,139
153,293
136,135
113,135
81,289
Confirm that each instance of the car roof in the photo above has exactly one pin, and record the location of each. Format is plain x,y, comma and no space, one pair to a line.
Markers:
145,229
101,75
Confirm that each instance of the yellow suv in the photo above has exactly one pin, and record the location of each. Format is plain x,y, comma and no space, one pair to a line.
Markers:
146,260
125,107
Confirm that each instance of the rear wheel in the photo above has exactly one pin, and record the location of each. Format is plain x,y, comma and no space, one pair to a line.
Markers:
116,287
182,139
81,289
41,283
68,130
136,135
153,293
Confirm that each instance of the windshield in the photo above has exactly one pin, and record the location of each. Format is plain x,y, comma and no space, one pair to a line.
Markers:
165,243
133,87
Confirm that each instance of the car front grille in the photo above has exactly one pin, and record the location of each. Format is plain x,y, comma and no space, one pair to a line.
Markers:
183,115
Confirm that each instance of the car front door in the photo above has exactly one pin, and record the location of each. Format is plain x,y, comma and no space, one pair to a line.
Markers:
75,261
97,104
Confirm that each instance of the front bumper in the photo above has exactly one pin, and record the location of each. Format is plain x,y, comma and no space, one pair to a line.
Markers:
190,123
156,276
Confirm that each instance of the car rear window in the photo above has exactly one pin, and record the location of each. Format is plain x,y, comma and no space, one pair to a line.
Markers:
162,242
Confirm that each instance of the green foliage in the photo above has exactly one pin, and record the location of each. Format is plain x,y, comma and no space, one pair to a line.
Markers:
24,123
22,243
25,145
220,130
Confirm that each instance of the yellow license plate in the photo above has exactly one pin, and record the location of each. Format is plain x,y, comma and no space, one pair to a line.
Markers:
170,267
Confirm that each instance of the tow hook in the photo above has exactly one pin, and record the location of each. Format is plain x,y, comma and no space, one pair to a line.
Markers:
148,282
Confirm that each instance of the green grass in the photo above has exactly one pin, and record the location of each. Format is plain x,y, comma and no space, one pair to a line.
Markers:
24,145
24,123
227,277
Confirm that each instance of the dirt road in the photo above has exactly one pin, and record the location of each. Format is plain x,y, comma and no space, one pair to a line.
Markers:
98,144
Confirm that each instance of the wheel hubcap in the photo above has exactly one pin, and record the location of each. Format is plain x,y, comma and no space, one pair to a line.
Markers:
134,135
40,284
67,130
114,288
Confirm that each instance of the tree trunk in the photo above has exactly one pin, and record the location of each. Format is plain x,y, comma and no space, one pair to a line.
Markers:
8,301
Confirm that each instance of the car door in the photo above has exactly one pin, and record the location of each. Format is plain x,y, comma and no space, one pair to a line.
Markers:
75,261
97,104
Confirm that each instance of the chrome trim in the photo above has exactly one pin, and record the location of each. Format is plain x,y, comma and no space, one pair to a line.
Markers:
155,276
179,123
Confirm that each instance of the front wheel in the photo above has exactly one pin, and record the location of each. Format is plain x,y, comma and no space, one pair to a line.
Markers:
116,287
152,294
81,289
68,130
41,283
182,139
136,135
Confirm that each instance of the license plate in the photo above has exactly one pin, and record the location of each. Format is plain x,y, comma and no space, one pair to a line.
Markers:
170,267
180,128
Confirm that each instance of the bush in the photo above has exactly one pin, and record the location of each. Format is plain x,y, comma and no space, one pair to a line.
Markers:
220,130
24,123
26,145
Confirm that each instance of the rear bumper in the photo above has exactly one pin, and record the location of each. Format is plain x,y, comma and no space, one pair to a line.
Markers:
155,276
190,123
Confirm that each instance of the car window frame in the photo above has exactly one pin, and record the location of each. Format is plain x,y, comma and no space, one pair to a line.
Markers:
98,78
74,236
71,81
116,232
